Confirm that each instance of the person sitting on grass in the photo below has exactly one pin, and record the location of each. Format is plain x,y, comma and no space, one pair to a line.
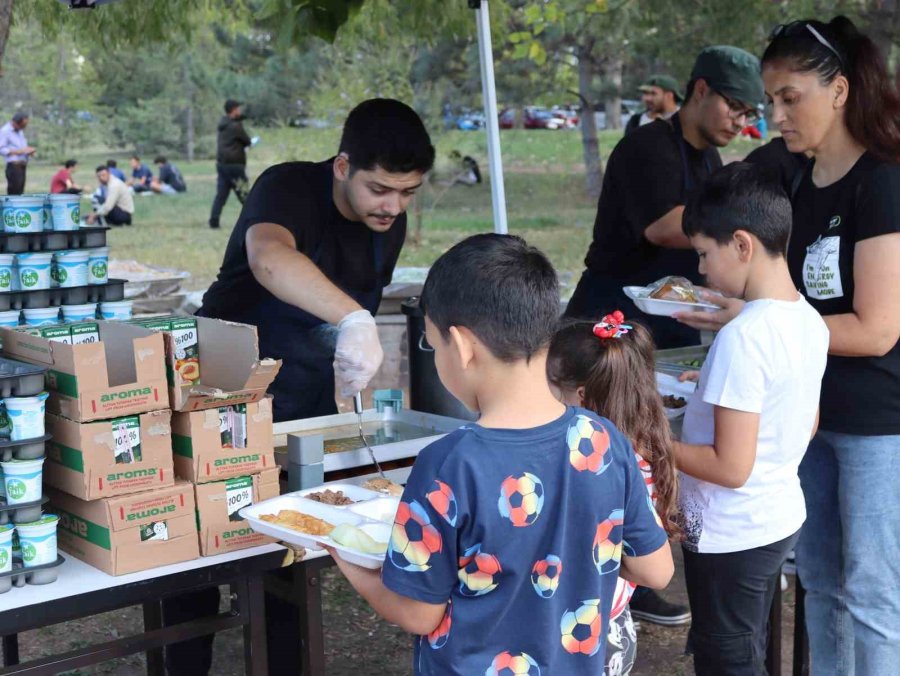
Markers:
511,532
141,176
170,181
609,367
62,181
118,205
747,426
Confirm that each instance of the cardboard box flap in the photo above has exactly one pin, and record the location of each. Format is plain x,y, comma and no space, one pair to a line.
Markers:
133,354
229,356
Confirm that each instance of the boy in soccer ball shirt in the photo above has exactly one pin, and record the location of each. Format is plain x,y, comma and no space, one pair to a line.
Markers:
507,542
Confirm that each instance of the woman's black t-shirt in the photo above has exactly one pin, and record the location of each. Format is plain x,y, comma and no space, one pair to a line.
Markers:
860,395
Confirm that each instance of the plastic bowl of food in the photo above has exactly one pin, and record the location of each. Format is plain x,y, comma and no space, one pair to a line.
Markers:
640,296
675,394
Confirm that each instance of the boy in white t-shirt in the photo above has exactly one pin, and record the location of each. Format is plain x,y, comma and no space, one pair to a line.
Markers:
748,425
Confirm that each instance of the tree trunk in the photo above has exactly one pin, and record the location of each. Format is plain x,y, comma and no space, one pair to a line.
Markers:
61,97
589,144
189,131
883,25
613,76
6,8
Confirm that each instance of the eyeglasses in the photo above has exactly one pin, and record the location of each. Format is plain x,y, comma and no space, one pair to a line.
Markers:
796,28
737,110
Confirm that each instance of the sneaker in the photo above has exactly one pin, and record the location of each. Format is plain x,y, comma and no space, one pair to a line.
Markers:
653,608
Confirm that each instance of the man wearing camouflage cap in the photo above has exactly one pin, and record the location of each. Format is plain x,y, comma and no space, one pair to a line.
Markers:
661,97
637,231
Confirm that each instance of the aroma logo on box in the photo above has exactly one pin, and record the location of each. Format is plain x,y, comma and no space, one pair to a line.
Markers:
154,511
126,394
73,524
131,474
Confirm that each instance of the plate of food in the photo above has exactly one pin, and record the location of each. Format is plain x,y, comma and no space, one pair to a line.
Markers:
667,296
355,521
675,394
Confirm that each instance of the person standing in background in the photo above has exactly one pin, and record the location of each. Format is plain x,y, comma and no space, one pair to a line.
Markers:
231,160
661,97
16,152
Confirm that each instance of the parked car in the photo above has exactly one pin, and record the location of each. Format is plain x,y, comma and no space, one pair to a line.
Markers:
541,118
470,121
508,118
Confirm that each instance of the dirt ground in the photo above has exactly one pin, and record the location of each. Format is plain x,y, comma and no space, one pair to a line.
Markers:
359,642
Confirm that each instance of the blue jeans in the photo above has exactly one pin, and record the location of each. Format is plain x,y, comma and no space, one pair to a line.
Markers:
847,555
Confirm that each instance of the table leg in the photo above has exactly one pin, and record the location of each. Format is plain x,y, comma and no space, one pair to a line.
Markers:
311,608
773,649
255,649
153,620
10,650
801,639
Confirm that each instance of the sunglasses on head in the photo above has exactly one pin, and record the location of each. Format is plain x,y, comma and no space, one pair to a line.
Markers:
798,28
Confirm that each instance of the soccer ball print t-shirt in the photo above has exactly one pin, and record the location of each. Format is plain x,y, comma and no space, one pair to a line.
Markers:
520,532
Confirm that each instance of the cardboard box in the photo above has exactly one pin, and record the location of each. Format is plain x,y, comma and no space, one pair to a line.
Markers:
187,345
200,442
111,457
123,374
129,533
221,530
231,371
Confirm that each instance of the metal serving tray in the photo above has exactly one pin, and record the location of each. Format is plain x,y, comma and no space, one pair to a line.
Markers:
393,435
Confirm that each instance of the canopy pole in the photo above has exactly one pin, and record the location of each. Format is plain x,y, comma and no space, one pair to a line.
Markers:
492,123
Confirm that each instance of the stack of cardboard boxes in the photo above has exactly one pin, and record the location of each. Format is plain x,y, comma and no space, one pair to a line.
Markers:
117,408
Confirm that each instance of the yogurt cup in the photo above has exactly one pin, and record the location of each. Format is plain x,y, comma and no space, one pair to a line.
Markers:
34,270
23,479
119,310
98,265
26,415
65,211
11,318
23,213
7,271
71,268
78,313
40,316
6,533
37,540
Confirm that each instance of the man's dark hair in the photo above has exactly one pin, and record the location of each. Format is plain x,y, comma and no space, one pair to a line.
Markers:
111,163
741,196
689,90
19,117
135,157
389,134
160,159
70,163
102,167
498,287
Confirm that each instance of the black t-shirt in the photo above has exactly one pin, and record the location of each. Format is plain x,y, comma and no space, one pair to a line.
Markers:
776,156
645,179
169,174
298,196
860,395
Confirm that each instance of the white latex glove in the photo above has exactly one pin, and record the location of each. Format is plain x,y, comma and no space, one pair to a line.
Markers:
358,353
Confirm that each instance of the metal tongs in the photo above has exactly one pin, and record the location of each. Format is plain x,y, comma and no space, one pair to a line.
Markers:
358,408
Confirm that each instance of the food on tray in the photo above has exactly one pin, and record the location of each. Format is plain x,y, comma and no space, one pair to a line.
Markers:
295,520
346,443
673,288
354,538
384,486
673,401
329,497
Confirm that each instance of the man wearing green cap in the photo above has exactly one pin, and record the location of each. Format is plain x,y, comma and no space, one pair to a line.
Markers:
661,98
637,231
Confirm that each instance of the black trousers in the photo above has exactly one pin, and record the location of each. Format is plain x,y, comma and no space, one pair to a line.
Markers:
229,177
118,216
193,657
730,596
15,178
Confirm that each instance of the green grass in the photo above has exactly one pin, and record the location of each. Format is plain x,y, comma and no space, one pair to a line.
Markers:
544,181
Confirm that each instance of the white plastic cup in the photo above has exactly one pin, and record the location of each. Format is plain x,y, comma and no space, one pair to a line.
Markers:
37,540
71,268
65,211
41,316
79,313
119,310
6,533
26,415
98,265
11,318
34,270
23,479
7,271
23,213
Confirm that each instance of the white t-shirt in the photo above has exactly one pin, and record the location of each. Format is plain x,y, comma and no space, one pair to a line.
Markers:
768,360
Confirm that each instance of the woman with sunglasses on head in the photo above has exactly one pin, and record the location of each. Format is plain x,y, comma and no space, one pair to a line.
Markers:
832,98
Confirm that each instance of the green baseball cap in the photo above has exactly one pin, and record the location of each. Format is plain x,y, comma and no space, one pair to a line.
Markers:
731,71
665,82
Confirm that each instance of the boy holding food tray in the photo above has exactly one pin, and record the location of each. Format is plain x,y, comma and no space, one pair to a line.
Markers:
747,426
507,543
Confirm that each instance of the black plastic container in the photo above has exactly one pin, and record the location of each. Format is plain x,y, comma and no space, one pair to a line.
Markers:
113,290
52,240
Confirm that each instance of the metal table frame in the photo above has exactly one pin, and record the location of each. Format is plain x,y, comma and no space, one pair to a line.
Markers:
244,575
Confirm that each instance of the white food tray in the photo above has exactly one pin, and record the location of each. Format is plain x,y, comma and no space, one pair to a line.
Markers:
373,513
663,308
666,384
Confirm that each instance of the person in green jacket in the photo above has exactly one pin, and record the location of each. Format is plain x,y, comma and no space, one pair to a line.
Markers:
231,159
